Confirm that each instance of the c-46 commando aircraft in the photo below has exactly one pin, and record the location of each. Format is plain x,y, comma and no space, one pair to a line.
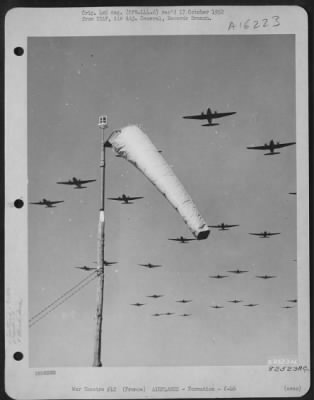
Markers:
222,226
209,115
149,265
85,268
125,199
77,183
184,301
218,276
237,271
107,263
271,146
47,203
265,276
265,234
181,239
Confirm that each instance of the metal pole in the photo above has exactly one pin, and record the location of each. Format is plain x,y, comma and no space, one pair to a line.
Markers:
100,250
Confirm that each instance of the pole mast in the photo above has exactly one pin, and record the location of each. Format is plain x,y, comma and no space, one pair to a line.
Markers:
103,124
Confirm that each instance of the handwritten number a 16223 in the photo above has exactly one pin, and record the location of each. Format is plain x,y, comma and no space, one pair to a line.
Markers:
272,22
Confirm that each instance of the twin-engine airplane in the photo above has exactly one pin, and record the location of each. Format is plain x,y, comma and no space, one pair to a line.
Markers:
209,115
265,234
107,263
181,239
85,268
218,276
125,199
77,183
238,271
265,276
222,226
48,203
137,304
271,146
149,265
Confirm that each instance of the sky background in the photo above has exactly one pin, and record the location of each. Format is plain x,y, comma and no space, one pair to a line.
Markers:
153,82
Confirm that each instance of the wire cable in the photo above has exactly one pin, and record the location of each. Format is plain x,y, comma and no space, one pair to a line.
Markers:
63,301
63,295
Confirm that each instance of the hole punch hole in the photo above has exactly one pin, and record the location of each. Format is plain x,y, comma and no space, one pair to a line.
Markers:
18,51
18,356
19,203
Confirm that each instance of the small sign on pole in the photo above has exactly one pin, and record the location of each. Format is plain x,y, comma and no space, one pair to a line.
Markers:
103,122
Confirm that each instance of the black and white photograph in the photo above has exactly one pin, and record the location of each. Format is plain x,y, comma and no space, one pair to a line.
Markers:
164,204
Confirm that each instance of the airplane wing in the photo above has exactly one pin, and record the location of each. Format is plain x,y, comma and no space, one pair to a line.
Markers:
213,226
176,240
199,116
230,226
220,115
38,202
115,198
264,147
279,145
56,202
256,234
134,198
81,182
273,233
66,183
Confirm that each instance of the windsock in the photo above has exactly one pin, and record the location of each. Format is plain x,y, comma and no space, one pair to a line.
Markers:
134,145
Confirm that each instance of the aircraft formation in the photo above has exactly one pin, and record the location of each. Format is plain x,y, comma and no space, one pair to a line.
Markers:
209,116
216,306
77,183
270,149
184,301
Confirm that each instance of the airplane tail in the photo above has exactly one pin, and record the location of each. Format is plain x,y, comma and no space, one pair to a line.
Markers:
80,187
271,154
209,111
210,124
